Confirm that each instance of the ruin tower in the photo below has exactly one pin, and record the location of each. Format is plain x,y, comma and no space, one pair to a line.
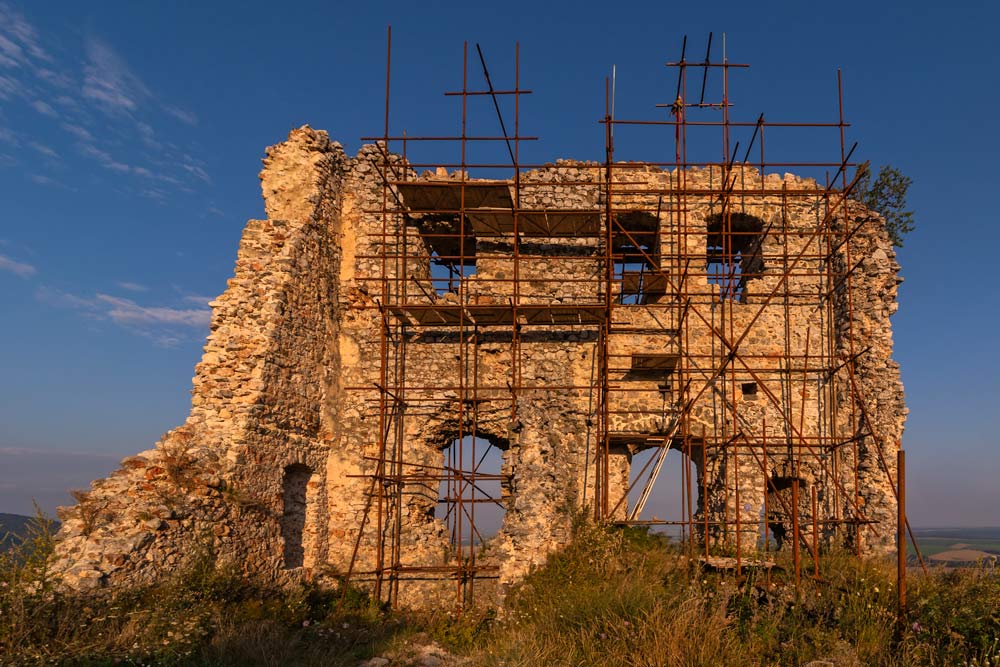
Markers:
406,359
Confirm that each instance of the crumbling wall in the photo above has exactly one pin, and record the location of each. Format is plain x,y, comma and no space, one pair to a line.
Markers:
276,467
878,408
257,394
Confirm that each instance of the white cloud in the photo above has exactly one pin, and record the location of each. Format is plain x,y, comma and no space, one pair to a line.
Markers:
148,135
108,80
12,53
198,172
43,149
19,38
104,158
166,340
56,297
182,115
43,108
10,87
109,110
81,133
126,311
67,101
95,152
22,269
54,78
164,326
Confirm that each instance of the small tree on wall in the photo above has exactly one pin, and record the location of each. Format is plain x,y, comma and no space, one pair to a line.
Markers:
886,195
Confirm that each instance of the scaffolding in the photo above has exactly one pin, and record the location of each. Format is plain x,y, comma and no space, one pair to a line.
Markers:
668,281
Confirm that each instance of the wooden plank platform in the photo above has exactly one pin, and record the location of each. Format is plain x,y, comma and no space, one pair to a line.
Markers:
497,315
654,361
446,196
644,283
559,223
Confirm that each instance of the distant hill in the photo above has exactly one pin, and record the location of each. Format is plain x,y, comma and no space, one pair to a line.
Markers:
947,532
13,527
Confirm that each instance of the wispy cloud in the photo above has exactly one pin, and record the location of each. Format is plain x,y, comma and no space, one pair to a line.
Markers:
182,115
18,38
148,135
42,179
81,133
197,172
155,194
22,269
104,158
43,108
61,299
110,111
109,81
43,149
10,88
126,311
166,326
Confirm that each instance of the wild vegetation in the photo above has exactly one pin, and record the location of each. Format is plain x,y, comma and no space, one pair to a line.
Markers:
614,597
885,193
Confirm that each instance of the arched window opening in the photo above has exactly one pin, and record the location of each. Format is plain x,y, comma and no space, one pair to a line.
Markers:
297,522
659,482
635,241
733,253
472,492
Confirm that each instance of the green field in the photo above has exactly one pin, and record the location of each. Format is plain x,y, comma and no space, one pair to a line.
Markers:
933,541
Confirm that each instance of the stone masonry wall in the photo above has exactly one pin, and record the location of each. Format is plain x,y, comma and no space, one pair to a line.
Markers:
273,468
256,402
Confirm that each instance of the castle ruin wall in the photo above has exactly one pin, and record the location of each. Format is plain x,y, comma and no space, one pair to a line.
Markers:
274,469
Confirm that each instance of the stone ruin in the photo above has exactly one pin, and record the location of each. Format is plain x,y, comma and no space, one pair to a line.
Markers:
380,318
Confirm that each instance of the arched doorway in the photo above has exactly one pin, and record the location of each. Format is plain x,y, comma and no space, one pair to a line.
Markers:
663,486
472,491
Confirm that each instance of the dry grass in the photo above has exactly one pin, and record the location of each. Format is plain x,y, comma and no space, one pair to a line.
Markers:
90,511
611,598
627,598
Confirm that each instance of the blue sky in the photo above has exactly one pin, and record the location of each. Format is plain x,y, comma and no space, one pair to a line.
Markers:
131,136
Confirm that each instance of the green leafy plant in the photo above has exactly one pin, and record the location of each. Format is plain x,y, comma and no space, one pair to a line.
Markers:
885,193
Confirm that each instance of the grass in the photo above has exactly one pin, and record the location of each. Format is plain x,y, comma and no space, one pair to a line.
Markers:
613,597
202,616
627,598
